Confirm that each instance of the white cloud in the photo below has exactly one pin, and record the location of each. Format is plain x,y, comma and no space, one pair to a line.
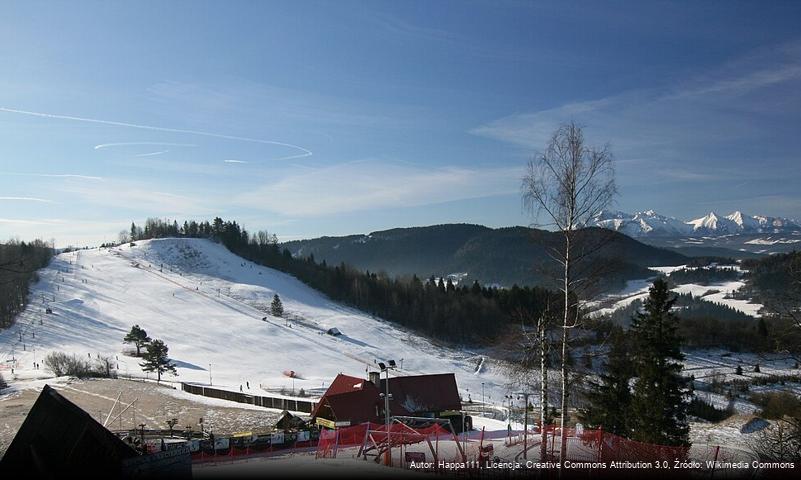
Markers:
64,231
745,83
364,185
24,221
703,129
141,197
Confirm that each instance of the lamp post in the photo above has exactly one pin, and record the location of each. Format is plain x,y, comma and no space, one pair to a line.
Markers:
142,437
509,399
483,405
525,396
209,373
390,365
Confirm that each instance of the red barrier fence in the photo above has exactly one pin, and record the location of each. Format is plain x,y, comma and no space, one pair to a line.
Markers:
584,446
399,434
235,452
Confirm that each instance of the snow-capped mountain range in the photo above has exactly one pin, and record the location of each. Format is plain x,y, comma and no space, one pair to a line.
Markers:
652,224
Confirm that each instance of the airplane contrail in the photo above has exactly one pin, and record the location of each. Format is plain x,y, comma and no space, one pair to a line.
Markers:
127,144
151,154
25,199
304,152
53,175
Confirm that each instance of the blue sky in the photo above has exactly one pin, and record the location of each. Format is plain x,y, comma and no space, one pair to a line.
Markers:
329,118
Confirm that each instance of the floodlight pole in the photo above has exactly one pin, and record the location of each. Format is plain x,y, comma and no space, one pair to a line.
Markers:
142,437
525,396
386,369
509,417
386,418
464,433
483,405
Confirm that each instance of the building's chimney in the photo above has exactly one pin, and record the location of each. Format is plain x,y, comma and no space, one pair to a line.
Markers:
375,377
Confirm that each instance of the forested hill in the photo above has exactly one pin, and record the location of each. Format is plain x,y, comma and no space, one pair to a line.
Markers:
465,314
18,264
503,256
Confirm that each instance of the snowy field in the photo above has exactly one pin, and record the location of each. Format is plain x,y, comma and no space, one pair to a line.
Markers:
207,305
725,289
638,290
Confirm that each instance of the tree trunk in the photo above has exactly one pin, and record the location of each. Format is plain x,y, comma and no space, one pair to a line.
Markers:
565,326
562,421
543,389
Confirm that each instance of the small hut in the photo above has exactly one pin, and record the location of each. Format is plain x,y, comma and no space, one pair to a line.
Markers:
290,423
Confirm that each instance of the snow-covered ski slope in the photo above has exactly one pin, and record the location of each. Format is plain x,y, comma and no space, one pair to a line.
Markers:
207,305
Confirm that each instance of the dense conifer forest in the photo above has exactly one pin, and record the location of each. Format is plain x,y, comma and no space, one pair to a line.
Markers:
18,264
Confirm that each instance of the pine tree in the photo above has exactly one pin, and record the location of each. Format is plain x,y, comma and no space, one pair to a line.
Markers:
610,399
156,359
762,328
660,399
133,232
137,336
476,288
277,308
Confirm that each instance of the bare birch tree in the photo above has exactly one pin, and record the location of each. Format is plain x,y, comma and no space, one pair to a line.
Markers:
567,184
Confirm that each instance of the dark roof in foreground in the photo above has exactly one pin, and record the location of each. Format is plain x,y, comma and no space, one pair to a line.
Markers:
59,438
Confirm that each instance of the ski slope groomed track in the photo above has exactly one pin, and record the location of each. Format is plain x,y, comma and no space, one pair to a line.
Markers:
209,306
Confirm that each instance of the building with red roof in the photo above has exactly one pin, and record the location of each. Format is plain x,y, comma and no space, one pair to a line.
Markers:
352,400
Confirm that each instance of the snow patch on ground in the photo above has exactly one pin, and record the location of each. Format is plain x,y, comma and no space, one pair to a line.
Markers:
725,289
638,290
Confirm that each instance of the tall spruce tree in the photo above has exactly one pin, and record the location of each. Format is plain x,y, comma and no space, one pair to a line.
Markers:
660,398
610,398
157,360
277,308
